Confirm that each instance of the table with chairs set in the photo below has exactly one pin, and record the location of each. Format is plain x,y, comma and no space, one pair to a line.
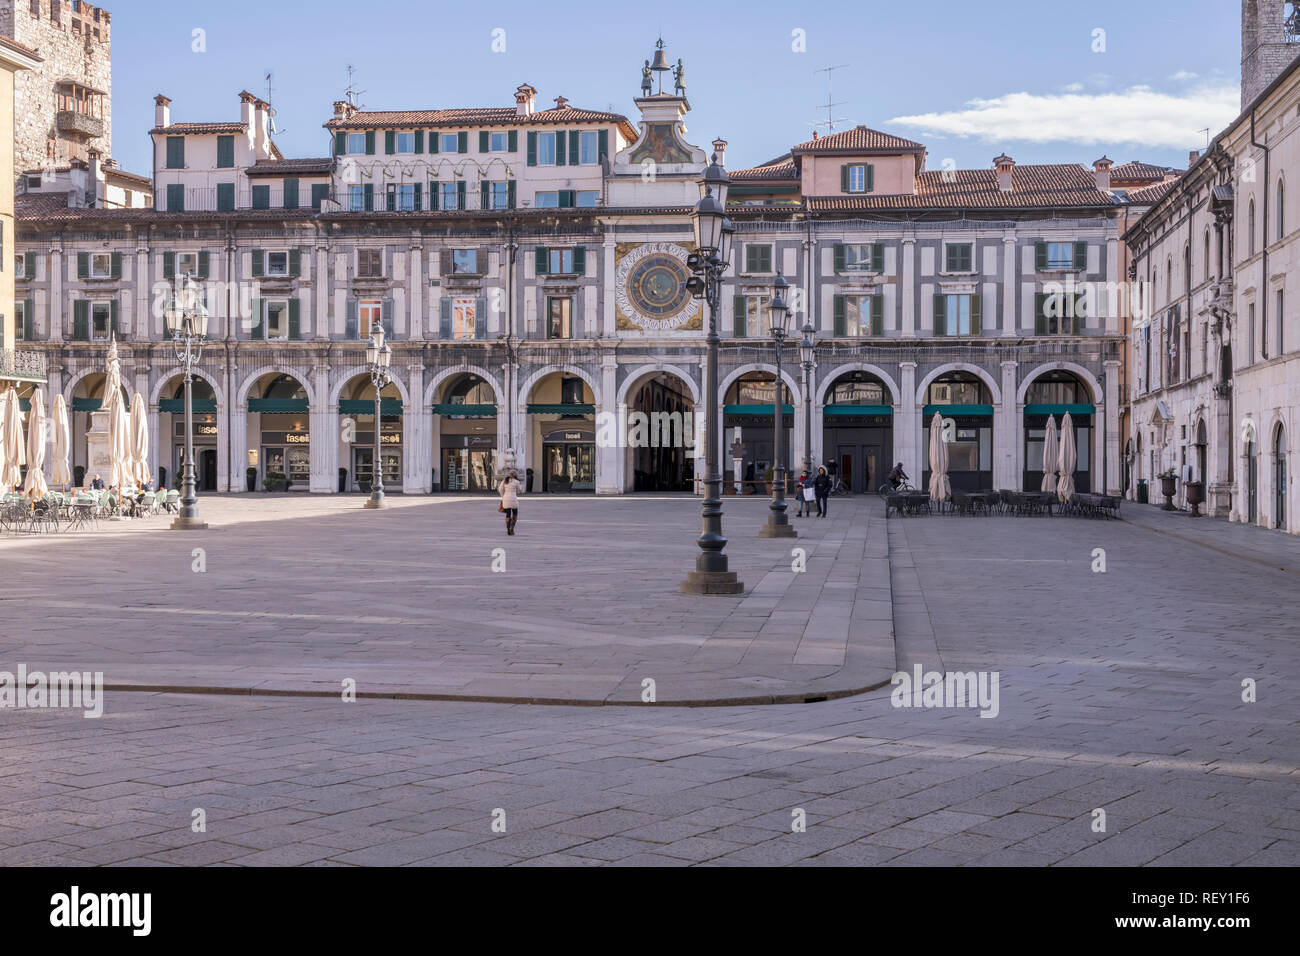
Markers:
1004,502
81,509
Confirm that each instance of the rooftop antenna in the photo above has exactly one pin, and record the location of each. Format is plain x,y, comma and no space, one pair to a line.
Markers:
351,93
270,90
831,118
1206,131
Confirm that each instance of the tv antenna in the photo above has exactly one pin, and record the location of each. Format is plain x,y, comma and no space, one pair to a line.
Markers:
351,92
831,118
270,110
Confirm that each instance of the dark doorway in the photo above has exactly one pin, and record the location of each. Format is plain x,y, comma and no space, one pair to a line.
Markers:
208,469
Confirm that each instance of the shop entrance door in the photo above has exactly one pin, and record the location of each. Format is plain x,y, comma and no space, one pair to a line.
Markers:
208,469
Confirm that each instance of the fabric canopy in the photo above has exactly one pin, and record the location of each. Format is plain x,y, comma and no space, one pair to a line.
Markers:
1067,461
1049,457
940,487
59,474
35,486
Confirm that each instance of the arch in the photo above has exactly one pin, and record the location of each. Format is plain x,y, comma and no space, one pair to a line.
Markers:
875,370
1077,370
296,374
435,383
344,380
526,387
740,370
155,393
653,368
976,370
74,380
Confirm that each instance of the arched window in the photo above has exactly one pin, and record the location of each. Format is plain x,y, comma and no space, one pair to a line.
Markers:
1281,207
470,390
1187,267
1250,226
756,388
1058,388
199,388
283,386
858,388
1169,278
1207,254
958,388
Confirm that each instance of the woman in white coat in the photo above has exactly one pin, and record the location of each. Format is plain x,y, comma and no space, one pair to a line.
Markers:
509,491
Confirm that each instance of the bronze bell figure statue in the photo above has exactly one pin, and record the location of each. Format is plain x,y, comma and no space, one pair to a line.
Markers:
660,64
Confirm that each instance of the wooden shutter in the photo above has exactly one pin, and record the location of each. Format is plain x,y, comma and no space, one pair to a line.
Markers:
81,320
419,141
386,317
435,141
870,176
575,147
445,265
976,313
169,266
1077,324
480,317
568,198
512,141
444,317
290,193
433,194
602,145
112,316
877,257
368,197
1040,313
117,266
1040,256
751,257
352,320
419,197
340,143
542,260
225,152
532,148
29,265
940,314
259,260
462,142
839,257
841,327
510,194
295,319
83,265
484,141
205,260
259,320
878,314
485,195
738,306
370,142
580,260
844,178
390,142
559,149
295,262
460,194
1081,255
29,319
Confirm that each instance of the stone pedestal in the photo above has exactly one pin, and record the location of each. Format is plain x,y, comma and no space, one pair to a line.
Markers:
98,456
188,524
712,582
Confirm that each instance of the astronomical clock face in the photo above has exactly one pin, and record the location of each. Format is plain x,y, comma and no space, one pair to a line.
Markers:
650,288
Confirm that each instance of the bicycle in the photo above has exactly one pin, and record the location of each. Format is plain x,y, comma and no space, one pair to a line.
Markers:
839,488
888,489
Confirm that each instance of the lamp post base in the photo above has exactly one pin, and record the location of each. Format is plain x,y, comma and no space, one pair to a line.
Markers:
187,524
774,530
712,582
376,502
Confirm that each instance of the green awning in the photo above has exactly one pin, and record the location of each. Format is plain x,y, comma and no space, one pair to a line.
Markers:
366,406
86,404
957,410
177,405
1079,409
756,410
561,409
466,411
279,405
858,410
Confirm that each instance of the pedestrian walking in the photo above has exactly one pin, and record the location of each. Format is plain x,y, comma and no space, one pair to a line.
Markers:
509,491
822,490
805,506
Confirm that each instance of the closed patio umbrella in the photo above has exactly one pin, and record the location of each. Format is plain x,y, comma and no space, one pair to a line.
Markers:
36,486
139,442
119,442
12,455
1049,457
940,488
1067,460
59,474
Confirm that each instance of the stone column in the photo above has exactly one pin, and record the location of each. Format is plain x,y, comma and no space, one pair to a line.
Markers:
1112,275
907,319
415,321
1110,471
607,458
1010,272
607,284
907,424
56,295
321,299
324,429
415,435
1008,448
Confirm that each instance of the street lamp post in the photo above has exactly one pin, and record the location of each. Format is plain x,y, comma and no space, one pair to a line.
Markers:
778,523
807,352
713,234
379,357
187,321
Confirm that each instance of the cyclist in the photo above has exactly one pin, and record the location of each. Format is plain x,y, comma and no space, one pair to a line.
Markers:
897,476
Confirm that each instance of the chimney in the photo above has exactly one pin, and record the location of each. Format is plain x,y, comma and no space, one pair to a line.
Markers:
561,103
92,184
246,101
525,97
1004,164
720,149
1193,157
814,134
262,140
1101,170
162,111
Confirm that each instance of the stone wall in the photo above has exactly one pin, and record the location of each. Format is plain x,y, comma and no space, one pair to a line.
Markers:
1264,51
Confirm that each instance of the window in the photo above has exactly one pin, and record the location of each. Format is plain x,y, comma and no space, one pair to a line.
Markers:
758,257
559,317
20,320
500,195
225,152
499,142
370,313
20,267
546,149
277,263
566,199
859,257
959,257
448,196
175,152
549,200
560,262
101,320
357,144
370,263
101,265
958,314
1060,255
464,262
290,193
1059,313
361,198
405,142
225,197
857,316
277,320
1281,210
1250,226
1250,334
187,263
855,178
752,319
261,197
588,149
462,318
33,182
319,193
403,197
587,198
175,197
1280,323
449,143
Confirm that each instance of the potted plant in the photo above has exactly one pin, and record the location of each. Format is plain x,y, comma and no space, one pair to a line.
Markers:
768,477
528,480
1195,496
250,478
1168,486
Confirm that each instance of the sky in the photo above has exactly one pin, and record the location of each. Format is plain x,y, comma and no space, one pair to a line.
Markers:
1043,80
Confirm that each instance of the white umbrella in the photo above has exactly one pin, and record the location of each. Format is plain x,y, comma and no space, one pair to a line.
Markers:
940,487
139,442
119,442
1049,457
13,453
35,486
59,421
1067,460
5,485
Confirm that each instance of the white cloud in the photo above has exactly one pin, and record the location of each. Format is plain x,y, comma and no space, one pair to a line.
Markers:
1070,88
1138,115
1183,75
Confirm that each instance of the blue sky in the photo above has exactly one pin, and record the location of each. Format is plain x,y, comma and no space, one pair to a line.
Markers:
967,80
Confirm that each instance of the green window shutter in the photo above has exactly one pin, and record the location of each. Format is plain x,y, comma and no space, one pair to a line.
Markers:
559,149
419,198
370,142
485,195
580,260
480,317
290,193
841,317
871,177
261,197
484,141
295,262
433,195
169,265
419,141
29,265
462,142
567,198
839,257
877,257
512,141
225,152
117,266
541,259
175,152
940,314
295,319
368,197
751,258
844,178
532,148
976,313
83,265
352,319
738,306
877,314
460,194
1081,255
386,317
602,145
340,143
1040,256
29,319
1040,313
112,317
225,197
259,258
575,151
435,141
259,319
444,317
510,194
205,260
81,320
1077,327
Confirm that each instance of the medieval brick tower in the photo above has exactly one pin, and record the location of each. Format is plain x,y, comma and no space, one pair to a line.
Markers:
1268,43
62,109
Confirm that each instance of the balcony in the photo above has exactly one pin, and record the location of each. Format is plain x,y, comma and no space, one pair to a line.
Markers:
17,365
83,124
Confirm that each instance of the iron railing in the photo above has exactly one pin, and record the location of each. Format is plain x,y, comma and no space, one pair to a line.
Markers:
22,365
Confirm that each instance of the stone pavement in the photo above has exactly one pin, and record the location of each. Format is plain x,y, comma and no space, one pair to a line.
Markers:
1119,691
300,593
1275,549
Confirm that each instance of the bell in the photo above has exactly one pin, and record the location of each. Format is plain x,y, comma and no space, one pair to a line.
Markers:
660,61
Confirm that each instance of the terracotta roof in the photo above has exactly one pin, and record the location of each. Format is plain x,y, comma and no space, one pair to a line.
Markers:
287,167
20,48
1137,171
860,139
176,128
1064,185
780,170
1149,194
479,116
53,207
39,205
113,171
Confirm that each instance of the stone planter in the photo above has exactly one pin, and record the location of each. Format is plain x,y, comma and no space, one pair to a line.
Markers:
1168,486
1195,496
